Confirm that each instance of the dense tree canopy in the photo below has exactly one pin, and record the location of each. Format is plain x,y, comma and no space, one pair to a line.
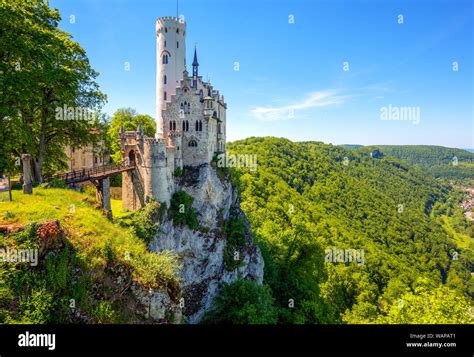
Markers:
129,119
437,161
44,74
306,198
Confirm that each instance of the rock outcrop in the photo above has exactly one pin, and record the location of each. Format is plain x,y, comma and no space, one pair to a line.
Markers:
201,251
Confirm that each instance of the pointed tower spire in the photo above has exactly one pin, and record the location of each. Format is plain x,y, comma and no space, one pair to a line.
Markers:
195,68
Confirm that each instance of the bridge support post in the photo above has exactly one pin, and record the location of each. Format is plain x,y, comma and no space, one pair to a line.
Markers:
103,196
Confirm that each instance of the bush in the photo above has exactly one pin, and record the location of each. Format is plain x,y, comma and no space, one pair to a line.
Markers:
243,302
116,181
234,230
38,308
104,312
146,221
178,172
181,210
53,184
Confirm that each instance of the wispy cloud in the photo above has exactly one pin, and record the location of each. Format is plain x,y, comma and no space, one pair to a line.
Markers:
322,98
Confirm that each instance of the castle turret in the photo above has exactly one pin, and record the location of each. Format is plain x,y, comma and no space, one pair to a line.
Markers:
195,69
170,54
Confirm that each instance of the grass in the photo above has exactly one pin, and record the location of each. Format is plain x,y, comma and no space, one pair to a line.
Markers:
91,234
461,240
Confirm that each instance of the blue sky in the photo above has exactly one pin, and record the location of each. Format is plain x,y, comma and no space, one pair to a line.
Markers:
291,54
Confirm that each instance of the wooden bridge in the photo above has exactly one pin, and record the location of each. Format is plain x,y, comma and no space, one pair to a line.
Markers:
100,177
95,174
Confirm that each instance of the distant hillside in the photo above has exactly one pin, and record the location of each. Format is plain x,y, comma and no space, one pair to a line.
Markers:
308,199
438,161
351,146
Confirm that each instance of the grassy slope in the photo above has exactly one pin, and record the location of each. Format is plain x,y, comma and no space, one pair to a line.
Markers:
91,235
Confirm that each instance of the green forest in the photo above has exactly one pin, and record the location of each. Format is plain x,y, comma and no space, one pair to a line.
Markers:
438,161
306,198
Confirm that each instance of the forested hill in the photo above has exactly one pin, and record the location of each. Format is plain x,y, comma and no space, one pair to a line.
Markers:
438,161
307,198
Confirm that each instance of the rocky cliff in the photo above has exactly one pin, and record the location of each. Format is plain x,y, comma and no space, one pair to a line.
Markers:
202,251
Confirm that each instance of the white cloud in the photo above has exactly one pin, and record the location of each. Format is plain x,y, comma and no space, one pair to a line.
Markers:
322,98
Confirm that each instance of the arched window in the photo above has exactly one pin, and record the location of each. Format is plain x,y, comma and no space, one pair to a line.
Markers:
187,125
171,126
184,126
197,125
165,59
165,79
200,125
201,95
192,143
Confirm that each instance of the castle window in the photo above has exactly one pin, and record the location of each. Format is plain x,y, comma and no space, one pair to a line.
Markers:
187,125
201,95
165,44
164,79
184,126
177,44
166,29
164,96
174,125
171,126
165,59
197,125
177,31
200,125
192,144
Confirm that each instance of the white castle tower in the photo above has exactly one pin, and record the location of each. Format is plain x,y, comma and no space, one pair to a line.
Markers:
170,62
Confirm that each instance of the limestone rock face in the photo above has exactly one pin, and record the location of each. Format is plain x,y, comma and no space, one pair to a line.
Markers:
201,251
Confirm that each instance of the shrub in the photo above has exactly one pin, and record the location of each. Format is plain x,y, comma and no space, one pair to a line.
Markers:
104,312
53,184
146,221
116,181
8,215
181,210
234,230
38,308
243,302
178,172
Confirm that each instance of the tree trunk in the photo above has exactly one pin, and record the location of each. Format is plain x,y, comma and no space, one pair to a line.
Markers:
9,187
27,174
38,162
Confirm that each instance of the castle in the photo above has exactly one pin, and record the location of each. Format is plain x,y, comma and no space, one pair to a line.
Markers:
190,122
